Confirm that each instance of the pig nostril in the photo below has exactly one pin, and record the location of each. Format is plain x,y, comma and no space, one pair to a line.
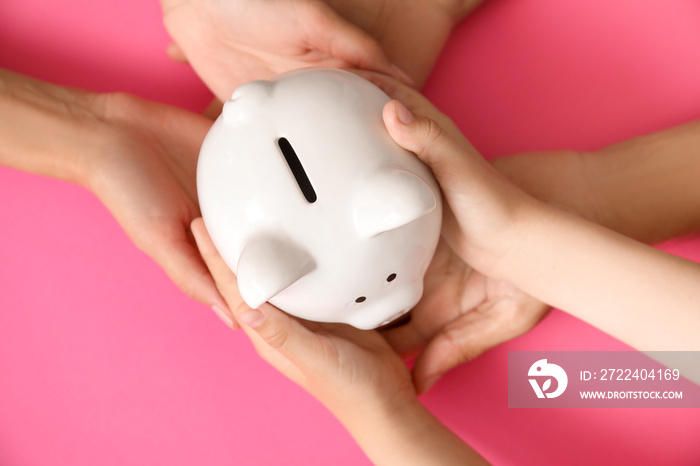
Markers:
361,299
391,277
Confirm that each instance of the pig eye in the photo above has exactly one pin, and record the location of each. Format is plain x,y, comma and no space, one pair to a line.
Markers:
391,277
361,299
297,170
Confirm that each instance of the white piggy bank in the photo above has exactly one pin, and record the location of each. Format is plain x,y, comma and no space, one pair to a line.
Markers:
313,205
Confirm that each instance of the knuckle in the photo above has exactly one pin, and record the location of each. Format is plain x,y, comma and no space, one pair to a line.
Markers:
459,347
194,285
432,134
188,287
276,338
518,317
146,243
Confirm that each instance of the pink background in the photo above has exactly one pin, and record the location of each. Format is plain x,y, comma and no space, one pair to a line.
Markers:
103,361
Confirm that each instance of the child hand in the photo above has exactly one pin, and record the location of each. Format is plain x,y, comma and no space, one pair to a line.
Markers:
502,231
483,207
463,312
354,373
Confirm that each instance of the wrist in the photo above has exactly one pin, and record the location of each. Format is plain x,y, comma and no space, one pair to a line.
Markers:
376,404
494,254
46,129
647,186
376,430
118,119
457,10
408,434
563,179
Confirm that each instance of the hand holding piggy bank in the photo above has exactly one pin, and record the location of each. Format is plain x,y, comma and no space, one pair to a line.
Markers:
313,205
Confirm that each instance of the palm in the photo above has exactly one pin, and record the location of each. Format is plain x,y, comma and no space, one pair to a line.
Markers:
146,189
360,359
462,314
318,356
145,175
235,42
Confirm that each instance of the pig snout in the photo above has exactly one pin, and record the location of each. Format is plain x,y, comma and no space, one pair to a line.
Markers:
373,313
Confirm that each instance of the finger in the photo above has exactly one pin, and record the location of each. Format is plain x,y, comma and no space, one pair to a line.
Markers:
433,145
175,53
214,109
282,333
407,340
213,267
472,334
277,329
185,267
341,39
416,103
396,89
222,275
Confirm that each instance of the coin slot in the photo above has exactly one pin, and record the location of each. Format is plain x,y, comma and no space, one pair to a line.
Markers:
297,169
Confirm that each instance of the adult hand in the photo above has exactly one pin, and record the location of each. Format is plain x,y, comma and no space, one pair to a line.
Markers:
144,173
354,373
138,157
411,32
461,315
347,369
232,42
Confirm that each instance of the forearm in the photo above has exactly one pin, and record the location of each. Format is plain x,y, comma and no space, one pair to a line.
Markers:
416,49
645,188
45,129
459,9
412,33
644,297
408,435
648,188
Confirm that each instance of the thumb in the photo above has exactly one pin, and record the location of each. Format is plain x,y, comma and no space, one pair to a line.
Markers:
458,342
271,330
281,333
475,332
185,267
449,160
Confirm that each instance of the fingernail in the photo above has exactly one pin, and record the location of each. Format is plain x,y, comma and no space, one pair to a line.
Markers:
222,307
225,317
428,385
402,74
252,318
403,114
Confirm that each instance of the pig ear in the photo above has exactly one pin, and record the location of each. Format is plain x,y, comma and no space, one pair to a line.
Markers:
253,92
389,199
267,266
